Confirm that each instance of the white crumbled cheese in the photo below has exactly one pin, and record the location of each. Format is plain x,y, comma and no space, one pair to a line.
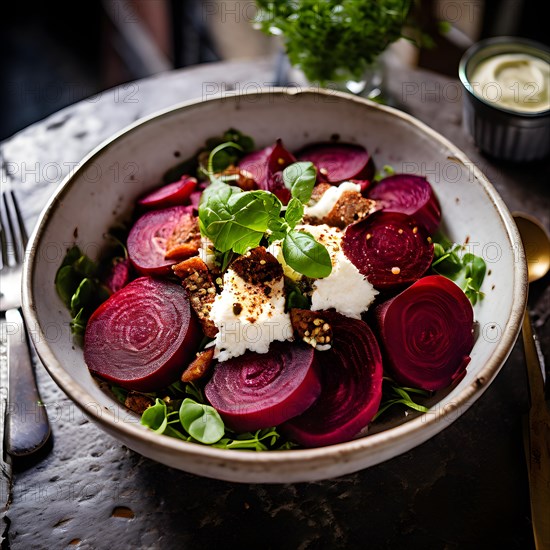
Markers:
345,289
247,319
328,199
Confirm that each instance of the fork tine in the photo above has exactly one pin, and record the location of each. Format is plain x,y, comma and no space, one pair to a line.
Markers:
16,227
20,222
3,237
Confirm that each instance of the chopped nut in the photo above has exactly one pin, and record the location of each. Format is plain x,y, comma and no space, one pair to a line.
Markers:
185,240
310,327
201,293
199,366
137,402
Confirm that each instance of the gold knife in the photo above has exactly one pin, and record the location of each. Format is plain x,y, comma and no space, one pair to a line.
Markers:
538,457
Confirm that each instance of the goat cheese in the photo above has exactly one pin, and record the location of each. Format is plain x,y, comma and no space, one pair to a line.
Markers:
345,289
248,317
329,198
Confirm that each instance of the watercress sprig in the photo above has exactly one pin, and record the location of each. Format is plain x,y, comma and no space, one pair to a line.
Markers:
236,220
393,394
464,268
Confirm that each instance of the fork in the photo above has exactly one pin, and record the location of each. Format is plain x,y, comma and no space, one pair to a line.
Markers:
27,425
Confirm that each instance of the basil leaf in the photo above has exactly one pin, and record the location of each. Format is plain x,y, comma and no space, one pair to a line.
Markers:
235,220
85,266
202,422
72,256
300,178
304,254
294,212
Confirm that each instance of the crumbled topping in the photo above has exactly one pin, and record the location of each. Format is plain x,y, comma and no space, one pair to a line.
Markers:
198,283
185,240
310,327
199,366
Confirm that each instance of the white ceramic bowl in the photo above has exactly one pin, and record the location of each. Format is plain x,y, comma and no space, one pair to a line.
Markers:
108,181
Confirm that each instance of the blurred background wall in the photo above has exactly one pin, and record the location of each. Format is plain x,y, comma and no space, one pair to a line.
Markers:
53,54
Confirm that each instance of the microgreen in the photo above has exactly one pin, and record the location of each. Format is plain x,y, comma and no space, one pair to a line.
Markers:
386,171
201,422
193,419
78,285
393,394
464,268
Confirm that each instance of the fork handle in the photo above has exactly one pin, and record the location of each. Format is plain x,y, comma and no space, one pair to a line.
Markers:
27,422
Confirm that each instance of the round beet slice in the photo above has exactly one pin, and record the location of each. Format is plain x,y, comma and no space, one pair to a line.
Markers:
339,161
257,391
389,248
143,336
408,194
173,194
427,333
256,165
147,239
351,380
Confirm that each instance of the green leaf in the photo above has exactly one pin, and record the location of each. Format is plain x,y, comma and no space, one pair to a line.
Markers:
72,255
398,395
294,212
156,416
83,296
78,323
202,422
223,157
119,393
235,220
66,283
295,298
465,269
85,266
304,254
300,178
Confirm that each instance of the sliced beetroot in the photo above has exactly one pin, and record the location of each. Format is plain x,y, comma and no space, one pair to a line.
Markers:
118,275
364,186
411,195
173,194
426,333
278,160
143,336
351,380
255,391
147,239
389,248
338,162
256,164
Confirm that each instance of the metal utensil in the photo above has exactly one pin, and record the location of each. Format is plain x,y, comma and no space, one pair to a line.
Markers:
536,244
27,426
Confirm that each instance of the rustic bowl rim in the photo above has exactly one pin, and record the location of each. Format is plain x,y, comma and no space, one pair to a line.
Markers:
342,452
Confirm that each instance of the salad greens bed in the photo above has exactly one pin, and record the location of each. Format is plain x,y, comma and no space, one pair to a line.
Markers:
236,221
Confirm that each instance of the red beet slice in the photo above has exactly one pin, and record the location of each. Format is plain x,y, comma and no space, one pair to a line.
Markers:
389,248
411,195
339,161
257,391
173,194
147,239
279,159
119,274
143,336
256,165
351,380
426,333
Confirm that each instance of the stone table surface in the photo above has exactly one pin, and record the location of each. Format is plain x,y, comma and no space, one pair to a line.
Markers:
465,488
